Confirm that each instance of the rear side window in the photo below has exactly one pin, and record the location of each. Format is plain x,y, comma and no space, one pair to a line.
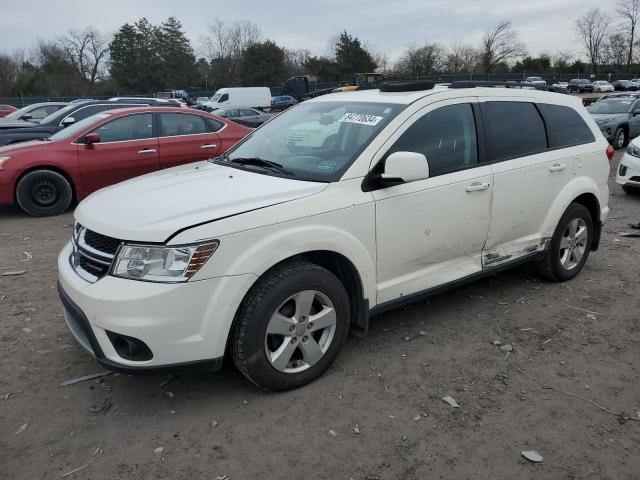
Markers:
565,126
175,124
214,125
513,129
446,136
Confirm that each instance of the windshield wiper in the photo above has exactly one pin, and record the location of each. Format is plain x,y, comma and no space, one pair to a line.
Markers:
261,162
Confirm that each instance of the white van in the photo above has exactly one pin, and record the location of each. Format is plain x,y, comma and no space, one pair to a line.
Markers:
241,97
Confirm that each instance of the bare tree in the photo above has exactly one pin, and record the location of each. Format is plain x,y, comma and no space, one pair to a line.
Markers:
225,44
500,45
87,51
629,10
461,58
592,29
615,50
423,60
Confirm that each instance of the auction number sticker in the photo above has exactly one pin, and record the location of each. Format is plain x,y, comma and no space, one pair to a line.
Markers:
361,118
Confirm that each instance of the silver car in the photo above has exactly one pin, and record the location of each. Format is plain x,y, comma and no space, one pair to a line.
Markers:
27,116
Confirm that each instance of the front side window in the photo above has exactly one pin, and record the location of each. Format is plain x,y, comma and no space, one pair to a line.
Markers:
446,136
176,124
247,113
513,129
316,141
131,127
565,126
79,127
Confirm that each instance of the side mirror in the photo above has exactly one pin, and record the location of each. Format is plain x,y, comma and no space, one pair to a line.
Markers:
26,116
68,121
91,138
405,167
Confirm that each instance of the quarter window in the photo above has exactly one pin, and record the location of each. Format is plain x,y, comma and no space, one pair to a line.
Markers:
446,136
514,129
132,127
176,124
565,126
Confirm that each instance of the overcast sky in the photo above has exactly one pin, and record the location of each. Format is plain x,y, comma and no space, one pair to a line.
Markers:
385,25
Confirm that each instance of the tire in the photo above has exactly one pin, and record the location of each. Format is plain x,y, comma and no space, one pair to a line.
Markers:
620,138
631,190
43,193
273,318
562,262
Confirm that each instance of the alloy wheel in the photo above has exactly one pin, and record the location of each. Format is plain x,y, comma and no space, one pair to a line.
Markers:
573,243
300,331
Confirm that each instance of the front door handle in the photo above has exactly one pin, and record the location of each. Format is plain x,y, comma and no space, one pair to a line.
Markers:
208,145
146,151
477,186
557,167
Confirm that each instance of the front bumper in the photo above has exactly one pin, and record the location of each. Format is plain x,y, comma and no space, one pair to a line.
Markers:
628,172
181,323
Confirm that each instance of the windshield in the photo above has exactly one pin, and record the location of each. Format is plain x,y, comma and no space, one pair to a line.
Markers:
17,114
316,141
54,115
618,105
215,98
76,128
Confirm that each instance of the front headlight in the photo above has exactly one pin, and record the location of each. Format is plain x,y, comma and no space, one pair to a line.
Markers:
633,150
607,121
162,264
3,160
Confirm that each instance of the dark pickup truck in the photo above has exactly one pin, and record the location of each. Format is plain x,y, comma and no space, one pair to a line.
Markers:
580,85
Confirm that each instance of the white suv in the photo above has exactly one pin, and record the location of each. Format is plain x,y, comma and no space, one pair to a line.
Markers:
274,252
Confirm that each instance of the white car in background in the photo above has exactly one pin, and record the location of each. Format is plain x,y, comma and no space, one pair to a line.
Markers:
602,86
628,174
536,81
272,253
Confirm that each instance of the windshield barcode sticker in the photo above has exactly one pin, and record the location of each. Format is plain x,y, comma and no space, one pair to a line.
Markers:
360,118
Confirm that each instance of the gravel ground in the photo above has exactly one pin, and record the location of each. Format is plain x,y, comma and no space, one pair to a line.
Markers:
377,414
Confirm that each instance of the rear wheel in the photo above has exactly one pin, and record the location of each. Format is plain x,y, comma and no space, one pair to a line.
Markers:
291,326
570,245
44,192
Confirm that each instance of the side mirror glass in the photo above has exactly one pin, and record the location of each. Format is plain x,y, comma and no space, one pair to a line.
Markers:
68,121
92,137
405,167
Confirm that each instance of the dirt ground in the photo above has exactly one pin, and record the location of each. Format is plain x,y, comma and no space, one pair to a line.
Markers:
377,414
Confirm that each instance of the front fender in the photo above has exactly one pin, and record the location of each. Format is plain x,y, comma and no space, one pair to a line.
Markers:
256,251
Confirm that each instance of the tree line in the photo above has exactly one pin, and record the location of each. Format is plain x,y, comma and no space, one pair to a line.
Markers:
142,58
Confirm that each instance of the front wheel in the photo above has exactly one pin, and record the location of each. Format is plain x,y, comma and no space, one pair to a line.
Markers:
570,245
291,326
619,138
44,192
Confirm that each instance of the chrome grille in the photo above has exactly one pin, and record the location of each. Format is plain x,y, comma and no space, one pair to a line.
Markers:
92,253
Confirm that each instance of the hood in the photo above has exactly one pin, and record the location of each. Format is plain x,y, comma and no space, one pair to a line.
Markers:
23,147
153,207
607,117
16,123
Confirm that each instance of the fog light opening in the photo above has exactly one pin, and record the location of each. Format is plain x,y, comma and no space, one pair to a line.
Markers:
130,348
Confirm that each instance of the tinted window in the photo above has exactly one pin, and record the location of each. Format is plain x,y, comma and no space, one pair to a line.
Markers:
514,129
224,98
214,125
172,124
247,113
446,136
565,126
132,127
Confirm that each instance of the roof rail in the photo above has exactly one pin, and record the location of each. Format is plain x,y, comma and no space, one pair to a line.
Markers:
406,86
477,83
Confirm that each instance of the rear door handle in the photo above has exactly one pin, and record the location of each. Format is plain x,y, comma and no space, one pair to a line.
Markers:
147,151
557,167
477,186
208,145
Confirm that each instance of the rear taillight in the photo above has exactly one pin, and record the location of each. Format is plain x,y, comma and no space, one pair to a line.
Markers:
609,151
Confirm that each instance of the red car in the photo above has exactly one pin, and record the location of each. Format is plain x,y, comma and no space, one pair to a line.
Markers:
44,176
6,110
